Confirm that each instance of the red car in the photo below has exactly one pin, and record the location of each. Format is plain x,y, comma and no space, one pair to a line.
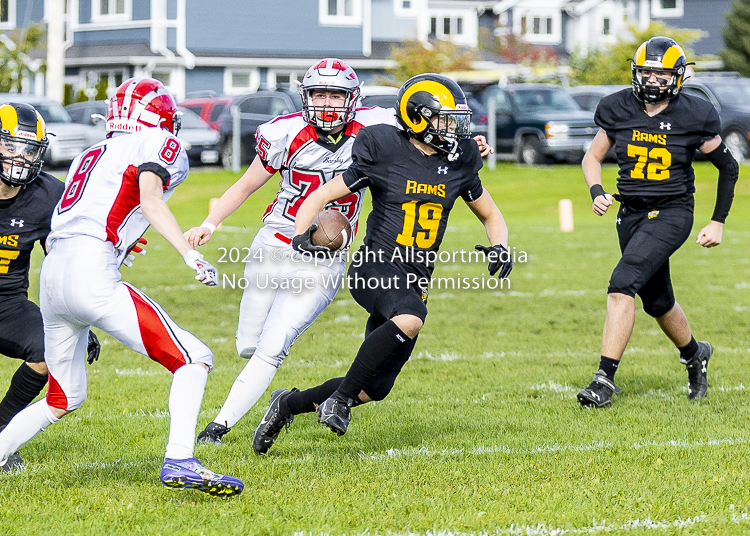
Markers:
208,108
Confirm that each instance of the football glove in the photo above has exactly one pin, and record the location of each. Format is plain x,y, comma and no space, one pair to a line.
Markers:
303,243
206,272
93,348
128,260
499,258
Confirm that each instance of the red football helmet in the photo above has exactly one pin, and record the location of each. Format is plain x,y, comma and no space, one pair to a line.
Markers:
142,103
329,73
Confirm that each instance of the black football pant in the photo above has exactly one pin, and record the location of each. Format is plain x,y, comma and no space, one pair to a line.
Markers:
647,239
21,337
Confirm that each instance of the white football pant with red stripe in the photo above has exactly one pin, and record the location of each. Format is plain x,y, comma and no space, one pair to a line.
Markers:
79,287
272,319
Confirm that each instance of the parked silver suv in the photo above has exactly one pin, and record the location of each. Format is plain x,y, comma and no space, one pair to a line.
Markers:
66,138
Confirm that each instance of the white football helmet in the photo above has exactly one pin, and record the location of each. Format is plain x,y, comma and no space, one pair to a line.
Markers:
329,73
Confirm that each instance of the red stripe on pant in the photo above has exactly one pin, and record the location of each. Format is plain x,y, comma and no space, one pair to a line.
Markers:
55,396
159,344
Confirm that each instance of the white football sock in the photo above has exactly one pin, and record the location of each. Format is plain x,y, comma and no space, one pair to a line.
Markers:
185,397
246,390
24,426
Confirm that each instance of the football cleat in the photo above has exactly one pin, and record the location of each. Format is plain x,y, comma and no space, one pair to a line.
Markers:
273,421
599,392
190,474
12,463
335,414
212,433
697,368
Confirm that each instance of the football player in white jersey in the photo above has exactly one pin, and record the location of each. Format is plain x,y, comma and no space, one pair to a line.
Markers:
308,149
114,190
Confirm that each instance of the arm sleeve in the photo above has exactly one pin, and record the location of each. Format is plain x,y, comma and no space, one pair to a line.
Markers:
364,154
155,168
473,188
729,171
604,116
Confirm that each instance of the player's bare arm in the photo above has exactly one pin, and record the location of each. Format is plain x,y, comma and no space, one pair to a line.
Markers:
718,154
156,211
489,214
486,211
316,201
255,177
592,172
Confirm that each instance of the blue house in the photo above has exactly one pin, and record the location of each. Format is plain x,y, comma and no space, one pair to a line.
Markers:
238,46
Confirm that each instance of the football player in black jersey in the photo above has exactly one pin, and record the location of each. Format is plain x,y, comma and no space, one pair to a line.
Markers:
655,130
27,198
415,175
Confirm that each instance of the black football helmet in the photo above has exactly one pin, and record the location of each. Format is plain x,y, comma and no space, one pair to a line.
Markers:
432,108
23,142
658,54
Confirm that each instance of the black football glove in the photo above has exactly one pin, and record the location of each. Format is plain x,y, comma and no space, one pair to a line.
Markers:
499,260
303,243
93,348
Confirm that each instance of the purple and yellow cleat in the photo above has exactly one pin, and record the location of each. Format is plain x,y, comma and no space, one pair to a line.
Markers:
191,474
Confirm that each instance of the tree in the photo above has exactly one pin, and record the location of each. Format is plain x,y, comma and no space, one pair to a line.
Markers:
611,64
414,57
15,64
736,56
515,49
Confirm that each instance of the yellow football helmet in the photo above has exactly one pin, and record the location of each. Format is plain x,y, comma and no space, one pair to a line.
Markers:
23,142
432,108
658,54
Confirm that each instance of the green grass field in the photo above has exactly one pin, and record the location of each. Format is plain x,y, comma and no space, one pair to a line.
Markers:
482,433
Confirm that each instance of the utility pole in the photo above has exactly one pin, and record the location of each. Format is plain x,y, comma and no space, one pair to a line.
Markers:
55,50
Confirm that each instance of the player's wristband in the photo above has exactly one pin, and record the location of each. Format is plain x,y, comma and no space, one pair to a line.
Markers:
210,226
596,190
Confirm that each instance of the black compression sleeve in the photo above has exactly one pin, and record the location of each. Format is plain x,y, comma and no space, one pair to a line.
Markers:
729,171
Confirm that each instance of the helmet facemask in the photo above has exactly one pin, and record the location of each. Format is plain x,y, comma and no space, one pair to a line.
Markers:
324,116
446,128
655,94
21,159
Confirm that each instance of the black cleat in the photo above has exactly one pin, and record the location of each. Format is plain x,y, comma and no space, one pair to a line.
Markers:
697,371
335,414
273,421
599,392
12,463
213,433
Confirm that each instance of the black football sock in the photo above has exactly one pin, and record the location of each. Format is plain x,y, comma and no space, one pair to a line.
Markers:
608,366
25,386
299,402
374,353
689,351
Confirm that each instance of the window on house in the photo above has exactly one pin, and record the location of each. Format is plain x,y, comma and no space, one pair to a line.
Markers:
111,7
459,26
240,80
341,8
4,8
523,25
549,26
537,25
406,4
447,26
433,26
164,78
605,26
668,4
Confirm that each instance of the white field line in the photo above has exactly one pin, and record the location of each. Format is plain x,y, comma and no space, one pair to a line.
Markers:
596,527
547,449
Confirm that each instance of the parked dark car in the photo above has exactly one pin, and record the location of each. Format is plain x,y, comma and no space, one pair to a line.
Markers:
731,98
255,109
588,97
537,122
200,141
208,108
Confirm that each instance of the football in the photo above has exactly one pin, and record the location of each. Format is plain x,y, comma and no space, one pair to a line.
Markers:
333,230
